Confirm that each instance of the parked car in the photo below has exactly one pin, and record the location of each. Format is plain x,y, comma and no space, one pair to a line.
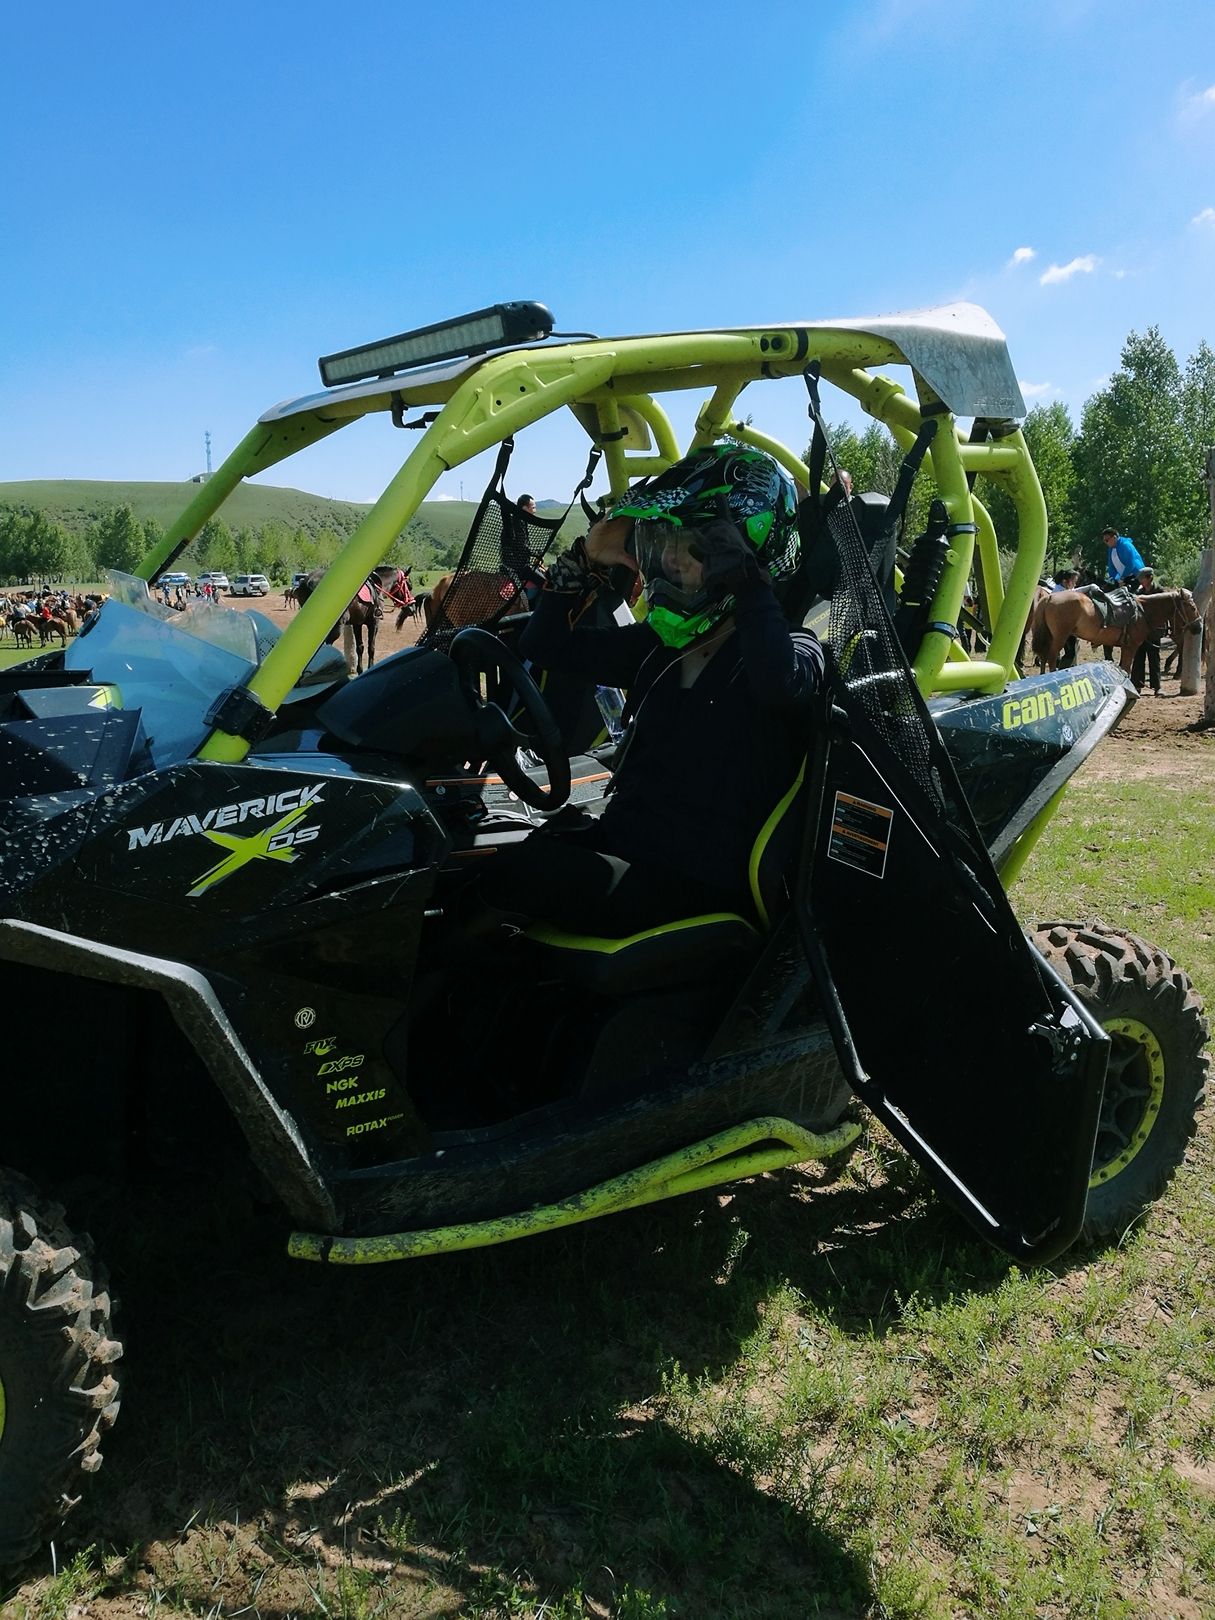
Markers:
220,581
250,585
172,581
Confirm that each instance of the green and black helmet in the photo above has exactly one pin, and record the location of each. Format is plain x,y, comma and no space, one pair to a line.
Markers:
752,489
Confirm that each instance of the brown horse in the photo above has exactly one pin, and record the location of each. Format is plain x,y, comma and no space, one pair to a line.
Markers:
365,609
396,588
1073,613
49,628
472,598
1041,594
22,627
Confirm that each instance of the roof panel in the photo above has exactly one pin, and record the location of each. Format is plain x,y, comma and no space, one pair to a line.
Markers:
957,349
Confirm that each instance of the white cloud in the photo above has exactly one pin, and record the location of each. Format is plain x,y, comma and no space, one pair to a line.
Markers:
1206,217
435,495
1084,265
1194,103
1036,390
1022,256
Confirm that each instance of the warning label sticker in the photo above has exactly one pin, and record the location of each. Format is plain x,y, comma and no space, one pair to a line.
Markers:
860,834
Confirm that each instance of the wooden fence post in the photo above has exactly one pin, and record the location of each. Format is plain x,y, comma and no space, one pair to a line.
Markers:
1204,595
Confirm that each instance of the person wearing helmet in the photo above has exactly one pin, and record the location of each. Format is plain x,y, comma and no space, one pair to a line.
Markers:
718,689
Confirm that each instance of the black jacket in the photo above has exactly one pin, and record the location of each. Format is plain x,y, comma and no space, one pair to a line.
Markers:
705,765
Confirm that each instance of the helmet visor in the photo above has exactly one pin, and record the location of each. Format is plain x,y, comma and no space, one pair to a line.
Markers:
674,577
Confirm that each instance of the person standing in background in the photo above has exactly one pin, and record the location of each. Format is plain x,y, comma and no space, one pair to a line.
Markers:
1147,658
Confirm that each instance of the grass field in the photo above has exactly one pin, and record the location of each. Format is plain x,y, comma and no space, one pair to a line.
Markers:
803,1396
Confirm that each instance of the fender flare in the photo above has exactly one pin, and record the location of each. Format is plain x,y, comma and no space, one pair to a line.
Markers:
274,1139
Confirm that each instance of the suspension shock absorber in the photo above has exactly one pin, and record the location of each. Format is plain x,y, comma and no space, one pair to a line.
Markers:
921,577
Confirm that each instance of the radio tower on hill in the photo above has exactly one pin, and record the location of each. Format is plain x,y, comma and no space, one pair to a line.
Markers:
207,437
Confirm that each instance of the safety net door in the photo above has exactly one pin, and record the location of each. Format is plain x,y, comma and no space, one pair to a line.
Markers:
950,1026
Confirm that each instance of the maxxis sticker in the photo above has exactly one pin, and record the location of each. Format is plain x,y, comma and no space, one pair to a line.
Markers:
860,834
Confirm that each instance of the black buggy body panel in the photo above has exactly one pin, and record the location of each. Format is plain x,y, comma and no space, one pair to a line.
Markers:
288,954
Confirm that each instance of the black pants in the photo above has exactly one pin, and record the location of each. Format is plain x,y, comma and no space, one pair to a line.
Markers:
561,878
1149,652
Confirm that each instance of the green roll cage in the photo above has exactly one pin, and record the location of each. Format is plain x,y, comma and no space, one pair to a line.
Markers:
959,364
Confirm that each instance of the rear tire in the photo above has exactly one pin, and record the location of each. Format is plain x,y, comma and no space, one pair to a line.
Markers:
58,1389
1157,1071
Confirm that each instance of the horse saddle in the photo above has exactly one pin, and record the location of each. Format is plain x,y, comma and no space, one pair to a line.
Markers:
1116,605
365,593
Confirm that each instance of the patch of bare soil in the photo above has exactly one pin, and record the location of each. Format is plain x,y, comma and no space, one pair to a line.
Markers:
1154,738
388,638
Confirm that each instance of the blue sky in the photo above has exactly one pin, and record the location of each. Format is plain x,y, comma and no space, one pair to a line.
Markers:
196,204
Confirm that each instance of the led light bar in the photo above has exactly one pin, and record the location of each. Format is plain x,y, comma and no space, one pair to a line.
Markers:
500,326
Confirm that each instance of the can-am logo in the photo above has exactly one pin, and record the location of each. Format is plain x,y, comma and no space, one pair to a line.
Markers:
227,815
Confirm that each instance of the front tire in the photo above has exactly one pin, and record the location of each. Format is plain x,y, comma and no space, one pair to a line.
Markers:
58,1389
1157,1071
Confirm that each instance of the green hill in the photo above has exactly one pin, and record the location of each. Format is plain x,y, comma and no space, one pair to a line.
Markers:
75,503
434,536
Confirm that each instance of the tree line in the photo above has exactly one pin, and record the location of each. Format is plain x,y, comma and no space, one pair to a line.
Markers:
1135,462
34,547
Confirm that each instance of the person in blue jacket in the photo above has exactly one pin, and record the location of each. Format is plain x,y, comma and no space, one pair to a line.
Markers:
719,690
1123,562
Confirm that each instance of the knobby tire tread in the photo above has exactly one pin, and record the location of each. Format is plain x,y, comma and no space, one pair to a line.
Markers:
57,1358
1118,974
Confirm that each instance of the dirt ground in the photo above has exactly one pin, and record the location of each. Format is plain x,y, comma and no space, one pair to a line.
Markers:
1154,738
388,638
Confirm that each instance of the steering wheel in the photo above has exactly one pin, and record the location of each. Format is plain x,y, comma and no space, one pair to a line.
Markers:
476,652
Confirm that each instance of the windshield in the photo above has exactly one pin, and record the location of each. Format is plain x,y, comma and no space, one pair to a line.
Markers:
202,619
173,664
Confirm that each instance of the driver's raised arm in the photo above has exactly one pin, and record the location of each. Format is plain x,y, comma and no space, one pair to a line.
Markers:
555,638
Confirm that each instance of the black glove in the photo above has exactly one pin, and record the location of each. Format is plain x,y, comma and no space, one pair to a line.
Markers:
728,557
570,572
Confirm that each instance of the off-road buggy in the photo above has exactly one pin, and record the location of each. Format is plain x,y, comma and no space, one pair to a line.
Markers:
227,859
